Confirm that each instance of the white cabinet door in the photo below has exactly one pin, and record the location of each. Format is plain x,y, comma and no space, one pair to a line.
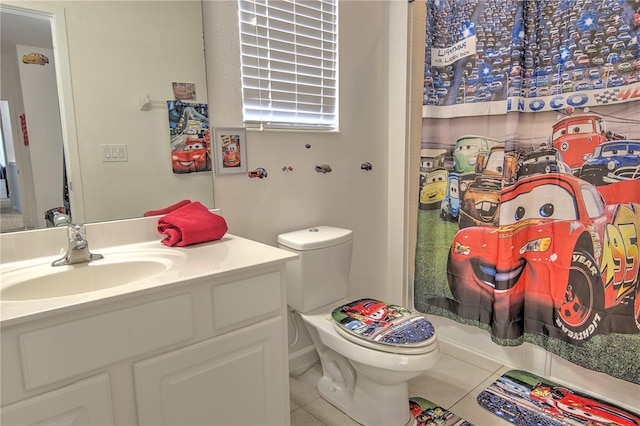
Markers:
235,379
87,402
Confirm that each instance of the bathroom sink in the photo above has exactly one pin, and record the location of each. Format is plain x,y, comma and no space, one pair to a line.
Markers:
43,281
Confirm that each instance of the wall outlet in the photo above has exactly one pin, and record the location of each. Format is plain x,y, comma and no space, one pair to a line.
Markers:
114,153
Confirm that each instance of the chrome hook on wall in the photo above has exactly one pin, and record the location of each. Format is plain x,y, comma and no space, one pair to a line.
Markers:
366,166
325,168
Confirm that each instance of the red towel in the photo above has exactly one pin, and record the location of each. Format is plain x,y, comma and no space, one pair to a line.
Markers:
191,224
167,209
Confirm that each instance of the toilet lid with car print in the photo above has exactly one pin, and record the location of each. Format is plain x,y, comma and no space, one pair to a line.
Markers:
390,328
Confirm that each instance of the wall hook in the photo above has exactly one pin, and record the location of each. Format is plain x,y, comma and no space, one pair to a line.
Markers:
144,102
258,173
325,168
366,166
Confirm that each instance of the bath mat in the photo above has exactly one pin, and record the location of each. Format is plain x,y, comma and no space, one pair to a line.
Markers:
523,398
426,413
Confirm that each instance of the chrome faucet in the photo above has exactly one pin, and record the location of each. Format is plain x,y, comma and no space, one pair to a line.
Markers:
78,251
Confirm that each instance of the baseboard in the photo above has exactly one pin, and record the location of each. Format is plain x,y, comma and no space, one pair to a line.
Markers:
302,359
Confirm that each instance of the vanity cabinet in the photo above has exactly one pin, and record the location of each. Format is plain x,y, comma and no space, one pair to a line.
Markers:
228,379
205,351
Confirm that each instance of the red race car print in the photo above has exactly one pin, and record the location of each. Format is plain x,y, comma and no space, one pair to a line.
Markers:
561,402
194,157
557,245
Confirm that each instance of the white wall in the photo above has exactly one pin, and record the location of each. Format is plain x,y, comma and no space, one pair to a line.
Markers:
348,196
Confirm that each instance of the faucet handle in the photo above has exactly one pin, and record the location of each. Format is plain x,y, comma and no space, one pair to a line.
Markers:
77,233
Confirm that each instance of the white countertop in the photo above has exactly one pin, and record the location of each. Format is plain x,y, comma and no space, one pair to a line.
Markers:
216,259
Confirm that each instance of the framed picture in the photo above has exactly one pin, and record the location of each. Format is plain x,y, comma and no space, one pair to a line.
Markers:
230,151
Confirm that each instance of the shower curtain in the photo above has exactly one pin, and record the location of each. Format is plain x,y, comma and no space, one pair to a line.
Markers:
529,203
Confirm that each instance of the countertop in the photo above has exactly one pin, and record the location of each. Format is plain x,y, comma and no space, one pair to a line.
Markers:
216,259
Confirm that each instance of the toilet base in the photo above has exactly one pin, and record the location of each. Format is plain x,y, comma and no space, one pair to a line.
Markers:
369,403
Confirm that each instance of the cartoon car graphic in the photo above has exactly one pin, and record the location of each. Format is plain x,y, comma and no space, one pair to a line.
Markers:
512,386
194,157
542,160
358,327
192,129
466,152
480,198
450,206
231,157
260,172
561,402
230,146
612,162
432,159
574,256
369,311
35,58
576,136
433,191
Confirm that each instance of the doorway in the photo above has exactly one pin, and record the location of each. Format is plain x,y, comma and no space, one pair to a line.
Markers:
10,209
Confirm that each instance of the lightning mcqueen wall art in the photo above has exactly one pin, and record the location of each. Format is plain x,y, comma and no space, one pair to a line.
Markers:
558,247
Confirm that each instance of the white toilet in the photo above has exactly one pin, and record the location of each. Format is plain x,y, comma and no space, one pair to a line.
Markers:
369,350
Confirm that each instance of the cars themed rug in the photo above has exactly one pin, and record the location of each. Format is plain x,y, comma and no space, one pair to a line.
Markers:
523,398
426,413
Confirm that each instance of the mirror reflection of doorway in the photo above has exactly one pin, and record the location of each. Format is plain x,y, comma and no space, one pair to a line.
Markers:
10,210
32,142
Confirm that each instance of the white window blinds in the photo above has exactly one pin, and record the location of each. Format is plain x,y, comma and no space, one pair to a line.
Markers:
289,61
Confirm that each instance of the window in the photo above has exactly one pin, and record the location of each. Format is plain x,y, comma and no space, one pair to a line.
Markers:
593,202
289,63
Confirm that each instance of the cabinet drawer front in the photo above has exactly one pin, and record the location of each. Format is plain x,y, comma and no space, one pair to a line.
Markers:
235,379
87,402
239,301
66,350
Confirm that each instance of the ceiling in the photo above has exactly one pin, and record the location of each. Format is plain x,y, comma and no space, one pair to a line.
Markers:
16,28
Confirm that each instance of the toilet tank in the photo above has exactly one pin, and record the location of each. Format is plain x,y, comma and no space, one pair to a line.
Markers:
321,274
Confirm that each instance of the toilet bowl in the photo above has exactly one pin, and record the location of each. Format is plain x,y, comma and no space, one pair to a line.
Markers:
369,385
366,366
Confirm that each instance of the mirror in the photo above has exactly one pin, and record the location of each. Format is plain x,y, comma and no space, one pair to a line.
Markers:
111,68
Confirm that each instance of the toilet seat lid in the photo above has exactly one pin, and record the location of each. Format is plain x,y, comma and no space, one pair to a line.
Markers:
390,328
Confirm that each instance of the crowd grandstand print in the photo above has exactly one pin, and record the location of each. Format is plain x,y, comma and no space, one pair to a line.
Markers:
529,55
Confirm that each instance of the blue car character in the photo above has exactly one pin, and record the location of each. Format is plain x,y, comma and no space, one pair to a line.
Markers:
450,206
612,162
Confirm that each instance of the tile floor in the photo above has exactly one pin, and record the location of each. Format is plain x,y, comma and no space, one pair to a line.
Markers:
9,220
454,384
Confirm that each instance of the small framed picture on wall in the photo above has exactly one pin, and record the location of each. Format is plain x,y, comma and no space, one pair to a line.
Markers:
230,151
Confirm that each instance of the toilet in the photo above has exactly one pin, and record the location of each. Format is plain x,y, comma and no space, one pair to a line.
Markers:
369,350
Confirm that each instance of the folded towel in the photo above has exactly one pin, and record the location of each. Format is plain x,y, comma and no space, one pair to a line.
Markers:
191,224
167,209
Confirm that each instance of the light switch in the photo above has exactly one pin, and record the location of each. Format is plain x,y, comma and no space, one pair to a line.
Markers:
114,153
